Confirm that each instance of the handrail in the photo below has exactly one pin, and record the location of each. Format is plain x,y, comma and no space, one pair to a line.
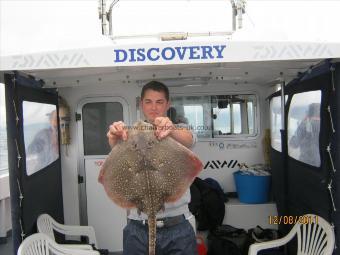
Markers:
110,15
4,173
238,8
3,168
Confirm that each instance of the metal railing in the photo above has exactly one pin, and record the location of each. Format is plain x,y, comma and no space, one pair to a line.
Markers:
238,9
3,171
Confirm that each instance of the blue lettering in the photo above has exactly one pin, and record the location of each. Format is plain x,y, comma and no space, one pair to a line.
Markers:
193,52
132,55
172,53
118,59
148,54
181,52
219,49
141,55
206,50
169,53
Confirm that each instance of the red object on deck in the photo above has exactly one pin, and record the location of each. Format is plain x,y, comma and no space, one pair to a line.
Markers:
201,248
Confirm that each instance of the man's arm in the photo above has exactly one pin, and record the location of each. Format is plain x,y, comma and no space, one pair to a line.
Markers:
183,136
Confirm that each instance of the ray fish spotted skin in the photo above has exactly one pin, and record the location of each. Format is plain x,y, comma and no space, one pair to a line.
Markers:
145,173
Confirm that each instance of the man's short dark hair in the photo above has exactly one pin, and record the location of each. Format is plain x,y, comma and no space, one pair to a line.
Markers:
157,86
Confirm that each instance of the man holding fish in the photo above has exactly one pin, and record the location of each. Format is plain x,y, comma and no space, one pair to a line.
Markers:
174,235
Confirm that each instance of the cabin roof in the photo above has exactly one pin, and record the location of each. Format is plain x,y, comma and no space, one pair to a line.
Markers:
189,61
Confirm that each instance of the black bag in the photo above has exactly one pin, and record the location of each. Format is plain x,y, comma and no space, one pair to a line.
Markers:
227,240
258,235
223,247
207,205
102,251
84,240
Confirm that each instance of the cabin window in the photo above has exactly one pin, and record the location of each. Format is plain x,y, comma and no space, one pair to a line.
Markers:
217,115
97,117
251,116
3,133
275,123
40,135
304,127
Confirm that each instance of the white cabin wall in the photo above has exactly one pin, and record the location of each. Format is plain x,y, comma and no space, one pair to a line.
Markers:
69,162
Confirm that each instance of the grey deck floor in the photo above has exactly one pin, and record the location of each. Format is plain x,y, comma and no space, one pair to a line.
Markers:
6,248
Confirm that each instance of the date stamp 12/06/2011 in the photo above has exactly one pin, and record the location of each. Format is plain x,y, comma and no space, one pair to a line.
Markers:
285,219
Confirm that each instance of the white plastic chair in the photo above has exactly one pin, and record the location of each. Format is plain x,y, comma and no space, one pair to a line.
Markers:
41,244
315,237
46,224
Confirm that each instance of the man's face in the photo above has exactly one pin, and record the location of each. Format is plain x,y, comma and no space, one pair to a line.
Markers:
154,104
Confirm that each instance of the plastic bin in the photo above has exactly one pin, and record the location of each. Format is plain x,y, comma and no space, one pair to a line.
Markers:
252,189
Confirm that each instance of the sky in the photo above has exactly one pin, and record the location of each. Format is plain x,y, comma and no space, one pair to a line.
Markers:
30,26
2,106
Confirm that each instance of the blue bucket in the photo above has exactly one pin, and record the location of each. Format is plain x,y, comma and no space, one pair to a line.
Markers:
252,189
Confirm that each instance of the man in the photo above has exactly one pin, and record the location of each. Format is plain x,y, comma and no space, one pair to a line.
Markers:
177,235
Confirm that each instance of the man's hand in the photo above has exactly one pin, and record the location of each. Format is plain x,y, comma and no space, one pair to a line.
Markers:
101,176
116,132
164,127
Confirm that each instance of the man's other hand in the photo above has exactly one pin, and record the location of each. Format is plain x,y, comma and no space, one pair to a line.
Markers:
164,127
117,131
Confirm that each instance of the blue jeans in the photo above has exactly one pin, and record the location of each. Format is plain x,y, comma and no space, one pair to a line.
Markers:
175,240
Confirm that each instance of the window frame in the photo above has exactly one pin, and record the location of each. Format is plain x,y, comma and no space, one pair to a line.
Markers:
97,99
238,137
88,140
289,148
29,171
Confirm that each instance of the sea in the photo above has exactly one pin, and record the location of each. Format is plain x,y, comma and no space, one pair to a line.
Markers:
3,151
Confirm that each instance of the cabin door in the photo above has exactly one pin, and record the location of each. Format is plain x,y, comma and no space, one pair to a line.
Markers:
94,117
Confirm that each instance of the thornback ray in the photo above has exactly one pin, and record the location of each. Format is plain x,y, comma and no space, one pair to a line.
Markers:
144,173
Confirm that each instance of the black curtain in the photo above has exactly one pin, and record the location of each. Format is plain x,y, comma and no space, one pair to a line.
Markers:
300,188
307,190
336,153
40,192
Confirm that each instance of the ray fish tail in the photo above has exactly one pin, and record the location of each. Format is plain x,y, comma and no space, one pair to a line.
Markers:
152,234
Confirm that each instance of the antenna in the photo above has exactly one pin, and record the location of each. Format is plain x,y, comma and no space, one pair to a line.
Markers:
238,8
